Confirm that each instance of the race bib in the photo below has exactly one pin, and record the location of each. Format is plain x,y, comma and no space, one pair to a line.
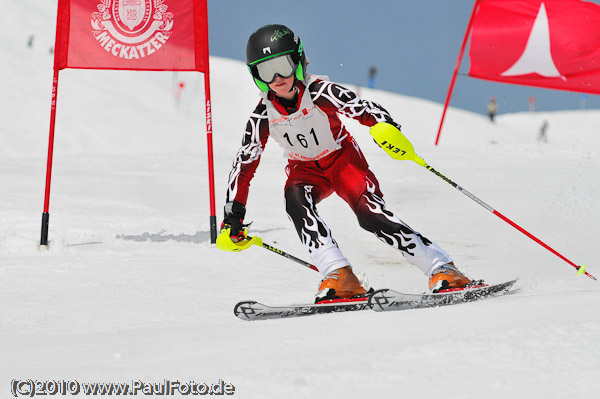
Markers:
304,135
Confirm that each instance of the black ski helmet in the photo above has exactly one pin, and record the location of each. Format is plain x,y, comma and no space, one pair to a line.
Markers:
272,41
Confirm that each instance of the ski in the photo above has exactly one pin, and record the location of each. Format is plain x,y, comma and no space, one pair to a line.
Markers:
387,300
380,301
252,310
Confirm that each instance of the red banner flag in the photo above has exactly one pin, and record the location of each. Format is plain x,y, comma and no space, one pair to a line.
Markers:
546,43
159,35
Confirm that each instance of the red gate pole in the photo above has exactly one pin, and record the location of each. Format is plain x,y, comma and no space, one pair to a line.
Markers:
211,171
45,214
456,68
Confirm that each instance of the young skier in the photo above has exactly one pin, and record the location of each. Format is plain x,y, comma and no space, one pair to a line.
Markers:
301,112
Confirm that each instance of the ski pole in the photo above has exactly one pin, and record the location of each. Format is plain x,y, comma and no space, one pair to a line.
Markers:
288,256
399,147
259,242
226,244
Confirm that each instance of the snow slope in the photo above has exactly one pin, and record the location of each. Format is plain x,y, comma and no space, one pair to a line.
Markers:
130,288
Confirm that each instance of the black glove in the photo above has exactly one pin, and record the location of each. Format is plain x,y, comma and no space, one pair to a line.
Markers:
234,219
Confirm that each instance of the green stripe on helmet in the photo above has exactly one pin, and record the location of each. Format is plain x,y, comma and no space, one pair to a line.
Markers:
271,56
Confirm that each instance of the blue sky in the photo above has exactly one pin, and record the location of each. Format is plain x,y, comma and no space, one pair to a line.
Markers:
414,44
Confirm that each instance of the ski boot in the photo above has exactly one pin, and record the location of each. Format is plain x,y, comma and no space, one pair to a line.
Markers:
447,276
340,284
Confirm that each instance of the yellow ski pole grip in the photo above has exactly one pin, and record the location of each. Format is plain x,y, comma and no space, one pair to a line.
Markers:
224,242
394,143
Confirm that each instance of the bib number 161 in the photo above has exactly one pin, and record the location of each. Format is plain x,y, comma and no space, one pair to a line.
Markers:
301,138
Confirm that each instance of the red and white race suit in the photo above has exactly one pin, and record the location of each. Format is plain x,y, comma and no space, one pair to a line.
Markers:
324,158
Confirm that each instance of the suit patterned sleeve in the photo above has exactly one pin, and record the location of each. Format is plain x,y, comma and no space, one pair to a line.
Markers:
248,156
331,96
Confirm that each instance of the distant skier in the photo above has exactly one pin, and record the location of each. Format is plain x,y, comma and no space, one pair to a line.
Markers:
543,135
301,112
492,108
372,74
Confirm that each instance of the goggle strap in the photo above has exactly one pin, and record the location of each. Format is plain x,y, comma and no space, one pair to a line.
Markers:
271,56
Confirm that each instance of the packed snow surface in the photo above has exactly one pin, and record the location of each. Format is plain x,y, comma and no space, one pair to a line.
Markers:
130,288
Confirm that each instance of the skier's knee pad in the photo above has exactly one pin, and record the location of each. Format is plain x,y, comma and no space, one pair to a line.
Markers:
297,200
369,213
294,195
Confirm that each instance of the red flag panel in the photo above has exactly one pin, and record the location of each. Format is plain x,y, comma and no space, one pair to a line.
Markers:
545,43
132,34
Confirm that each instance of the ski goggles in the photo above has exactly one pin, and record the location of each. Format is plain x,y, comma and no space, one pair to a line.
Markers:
268,70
